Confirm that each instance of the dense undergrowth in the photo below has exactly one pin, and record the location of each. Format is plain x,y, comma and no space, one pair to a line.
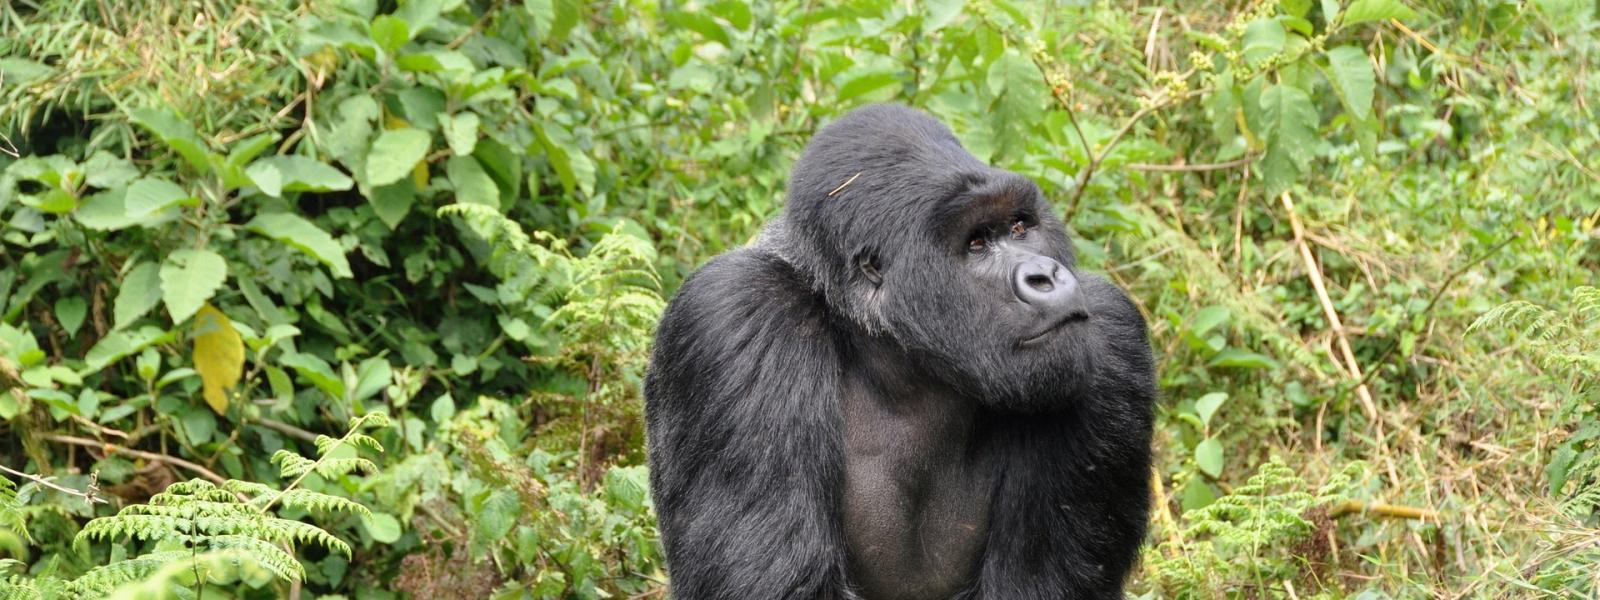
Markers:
239,238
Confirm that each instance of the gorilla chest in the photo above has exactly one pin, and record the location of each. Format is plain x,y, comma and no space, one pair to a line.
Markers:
916,497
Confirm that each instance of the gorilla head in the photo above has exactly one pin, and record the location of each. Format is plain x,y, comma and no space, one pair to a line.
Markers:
964,265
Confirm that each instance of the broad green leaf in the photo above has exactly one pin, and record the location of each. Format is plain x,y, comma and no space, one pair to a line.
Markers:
1207,406
189,278
1351,73
104,170
1287,121
702,24
498,514
70,312
461,131
419,15
389,33
1296,8
1263,38
1196,495
504,166
198,425
140,292
373,375
304,236
1208,318
150,195
472,184
1330,8
572,165
176,133
865,83
19,72
383,527
1362,11
118,344
1556,469
1208,455
218,355
290,173
1235,357
315,370
940,13
392,202
394,154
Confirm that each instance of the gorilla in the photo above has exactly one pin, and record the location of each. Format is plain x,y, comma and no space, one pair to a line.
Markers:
903,389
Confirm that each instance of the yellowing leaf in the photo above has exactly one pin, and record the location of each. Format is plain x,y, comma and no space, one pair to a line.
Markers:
419,175
218,355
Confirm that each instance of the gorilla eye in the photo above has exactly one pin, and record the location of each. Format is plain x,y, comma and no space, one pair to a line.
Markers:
977,243
1019,229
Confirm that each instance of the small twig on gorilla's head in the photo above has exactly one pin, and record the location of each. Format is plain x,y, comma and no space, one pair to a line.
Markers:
841,186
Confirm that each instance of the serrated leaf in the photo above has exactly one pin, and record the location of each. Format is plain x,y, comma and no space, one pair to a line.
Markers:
103,170
290,173
461,132
1208,455
472,184
1351,73
304,236
151,195
1288,122
141,292
498,515
1207,406
394,154
218,355
1263,38
189,278
1362,11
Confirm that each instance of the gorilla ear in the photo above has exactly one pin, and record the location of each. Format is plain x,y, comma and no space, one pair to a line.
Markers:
867,262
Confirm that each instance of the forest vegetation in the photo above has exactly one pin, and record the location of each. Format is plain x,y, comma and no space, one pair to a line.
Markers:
353,298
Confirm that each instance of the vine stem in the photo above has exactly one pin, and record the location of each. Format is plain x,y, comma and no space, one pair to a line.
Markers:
110,448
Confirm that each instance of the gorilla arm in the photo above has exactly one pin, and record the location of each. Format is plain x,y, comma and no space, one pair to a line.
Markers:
746,454
1073,496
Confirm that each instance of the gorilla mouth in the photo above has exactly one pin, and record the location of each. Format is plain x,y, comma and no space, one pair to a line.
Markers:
1072,317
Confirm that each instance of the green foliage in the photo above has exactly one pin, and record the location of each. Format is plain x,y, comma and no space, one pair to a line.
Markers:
228,229
1253,536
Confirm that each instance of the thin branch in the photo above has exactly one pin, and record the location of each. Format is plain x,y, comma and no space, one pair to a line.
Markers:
89,496
1192,168
1350,507
1315,274
115,449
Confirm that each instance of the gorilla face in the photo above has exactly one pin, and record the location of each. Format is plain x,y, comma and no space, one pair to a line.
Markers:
963,265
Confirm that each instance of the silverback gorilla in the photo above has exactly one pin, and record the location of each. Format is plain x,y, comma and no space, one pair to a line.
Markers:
903,390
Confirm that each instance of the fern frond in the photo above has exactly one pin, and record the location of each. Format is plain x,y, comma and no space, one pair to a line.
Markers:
102,580
144,527
273,558
330,468
291,465
311,501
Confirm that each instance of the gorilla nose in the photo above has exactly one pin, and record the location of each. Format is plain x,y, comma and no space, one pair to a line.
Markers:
1046,284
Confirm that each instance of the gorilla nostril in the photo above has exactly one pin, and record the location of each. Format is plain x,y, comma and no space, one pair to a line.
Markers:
1040,282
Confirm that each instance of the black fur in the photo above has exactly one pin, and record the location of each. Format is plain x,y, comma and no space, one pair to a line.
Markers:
974,465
